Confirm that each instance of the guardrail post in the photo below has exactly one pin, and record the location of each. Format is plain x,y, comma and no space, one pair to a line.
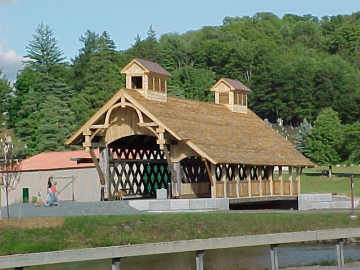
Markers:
115,265
274,257
200,260
340,253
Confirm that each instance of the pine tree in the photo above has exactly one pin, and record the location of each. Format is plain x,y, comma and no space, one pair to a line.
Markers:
55,124
43,50
304,130
95,74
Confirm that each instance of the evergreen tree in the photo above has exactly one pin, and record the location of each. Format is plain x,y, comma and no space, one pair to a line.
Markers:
304,130
43,50
147,49
95,74
55,124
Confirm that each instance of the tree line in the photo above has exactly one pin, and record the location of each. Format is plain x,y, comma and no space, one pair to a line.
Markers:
296,66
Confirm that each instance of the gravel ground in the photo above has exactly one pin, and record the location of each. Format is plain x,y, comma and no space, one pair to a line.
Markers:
70,209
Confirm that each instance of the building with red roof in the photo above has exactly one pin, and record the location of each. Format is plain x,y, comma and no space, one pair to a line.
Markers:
76,181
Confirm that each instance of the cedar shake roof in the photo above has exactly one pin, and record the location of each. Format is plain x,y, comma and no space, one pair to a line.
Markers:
237,85
153,67
55,161
211,130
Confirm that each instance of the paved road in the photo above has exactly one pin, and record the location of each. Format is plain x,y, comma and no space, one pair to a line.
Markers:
121,208
71,209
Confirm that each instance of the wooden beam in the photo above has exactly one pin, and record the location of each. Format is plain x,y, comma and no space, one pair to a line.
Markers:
98,169
281,180
150,124
248,179
291,180
259,175
99,126
208,172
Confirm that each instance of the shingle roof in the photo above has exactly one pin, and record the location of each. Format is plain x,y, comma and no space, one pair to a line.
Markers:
220,134
55,161
153,67
236,84
225,136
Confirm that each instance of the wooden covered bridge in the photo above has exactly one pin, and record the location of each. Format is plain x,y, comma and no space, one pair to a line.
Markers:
148,140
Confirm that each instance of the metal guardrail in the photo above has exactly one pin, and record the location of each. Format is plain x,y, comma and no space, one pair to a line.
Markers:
20,261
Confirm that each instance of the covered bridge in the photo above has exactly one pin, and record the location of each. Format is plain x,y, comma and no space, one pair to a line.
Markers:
148,140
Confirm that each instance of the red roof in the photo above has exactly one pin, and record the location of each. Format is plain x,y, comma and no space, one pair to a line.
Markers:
55,161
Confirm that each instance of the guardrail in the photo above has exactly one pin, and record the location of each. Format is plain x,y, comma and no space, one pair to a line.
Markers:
19,261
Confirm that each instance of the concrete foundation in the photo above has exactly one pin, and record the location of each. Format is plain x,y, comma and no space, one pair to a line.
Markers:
180,204
324,201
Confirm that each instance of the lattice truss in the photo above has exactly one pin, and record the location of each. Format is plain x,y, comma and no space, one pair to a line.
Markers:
231,169
194,170
137,171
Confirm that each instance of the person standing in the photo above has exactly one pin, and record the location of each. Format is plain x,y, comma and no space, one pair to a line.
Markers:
49,195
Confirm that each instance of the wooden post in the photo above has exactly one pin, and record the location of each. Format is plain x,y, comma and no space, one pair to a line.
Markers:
176,180
115,265
298,173
259,174
175,169
237,181
199,260
291,180
248,179
340,253
224,179
104,157
274,257
271,173
213,175
99,171
212,178
281,180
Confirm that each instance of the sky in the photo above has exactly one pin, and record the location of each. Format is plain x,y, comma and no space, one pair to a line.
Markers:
69,19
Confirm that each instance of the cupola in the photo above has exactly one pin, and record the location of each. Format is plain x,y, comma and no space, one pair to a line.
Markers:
147,77
232,94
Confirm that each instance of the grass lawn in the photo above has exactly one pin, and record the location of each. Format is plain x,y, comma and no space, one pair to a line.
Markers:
354,169
324,184
49,234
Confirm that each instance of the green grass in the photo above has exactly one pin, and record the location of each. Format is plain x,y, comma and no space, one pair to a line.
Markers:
354,169
95,231
324,184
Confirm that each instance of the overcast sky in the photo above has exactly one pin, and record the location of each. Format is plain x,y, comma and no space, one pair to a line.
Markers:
69,19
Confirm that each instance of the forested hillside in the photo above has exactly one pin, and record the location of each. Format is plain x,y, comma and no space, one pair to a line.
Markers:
296,66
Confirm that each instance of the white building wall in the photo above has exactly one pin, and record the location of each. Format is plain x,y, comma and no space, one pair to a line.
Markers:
86,185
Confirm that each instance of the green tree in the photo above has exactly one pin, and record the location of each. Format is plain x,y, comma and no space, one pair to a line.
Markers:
43,50
5,94
55,124
95,74
304,130
326,138
147,48
351,149
192,83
